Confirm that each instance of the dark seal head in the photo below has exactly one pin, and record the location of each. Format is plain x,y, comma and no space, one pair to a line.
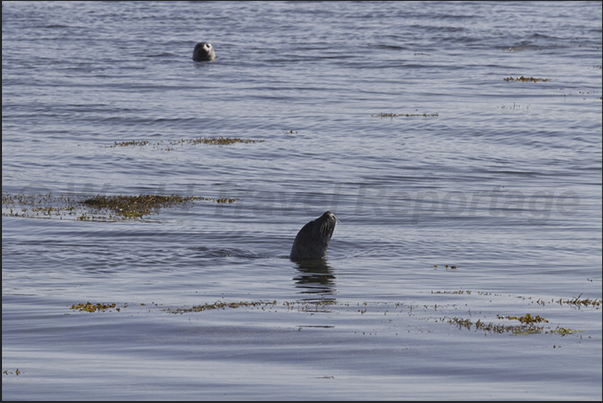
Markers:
204,52
313,239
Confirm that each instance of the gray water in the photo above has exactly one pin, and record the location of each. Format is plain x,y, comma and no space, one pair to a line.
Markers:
501,179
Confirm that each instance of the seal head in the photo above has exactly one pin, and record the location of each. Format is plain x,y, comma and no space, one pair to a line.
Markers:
204,52
313,239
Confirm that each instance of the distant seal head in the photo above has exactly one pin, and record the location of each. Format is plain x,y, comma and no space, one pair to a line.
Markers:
313,239
204,52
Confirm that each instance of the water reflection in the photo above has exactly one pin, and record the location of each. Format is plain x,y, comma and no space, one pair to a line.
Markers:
316,278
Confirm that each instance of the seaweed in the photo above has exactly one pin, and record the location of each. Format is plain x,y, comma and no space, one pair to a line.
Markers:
528,319
527,79
220,305
16,372
221,141
97,208
394,115
452,266
490,327
89,307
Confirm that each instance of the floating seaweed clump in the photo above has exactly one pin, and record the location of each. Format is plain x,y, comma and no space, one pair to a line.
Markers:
527,79
316,306
98,307
97,208
394,115
38,205
529,325
578,302
129,143
215,141
135,206
138,206
220,305
16,372
452,266
528,319
468,292
522,329
564,331
221,141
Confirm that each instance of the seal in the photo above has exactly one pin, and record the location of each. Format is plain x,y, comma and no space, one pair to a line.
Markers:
204,52
313,239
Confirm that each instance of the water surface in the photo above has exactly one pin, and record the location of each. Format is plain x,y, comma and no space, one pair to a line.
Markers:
499,178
